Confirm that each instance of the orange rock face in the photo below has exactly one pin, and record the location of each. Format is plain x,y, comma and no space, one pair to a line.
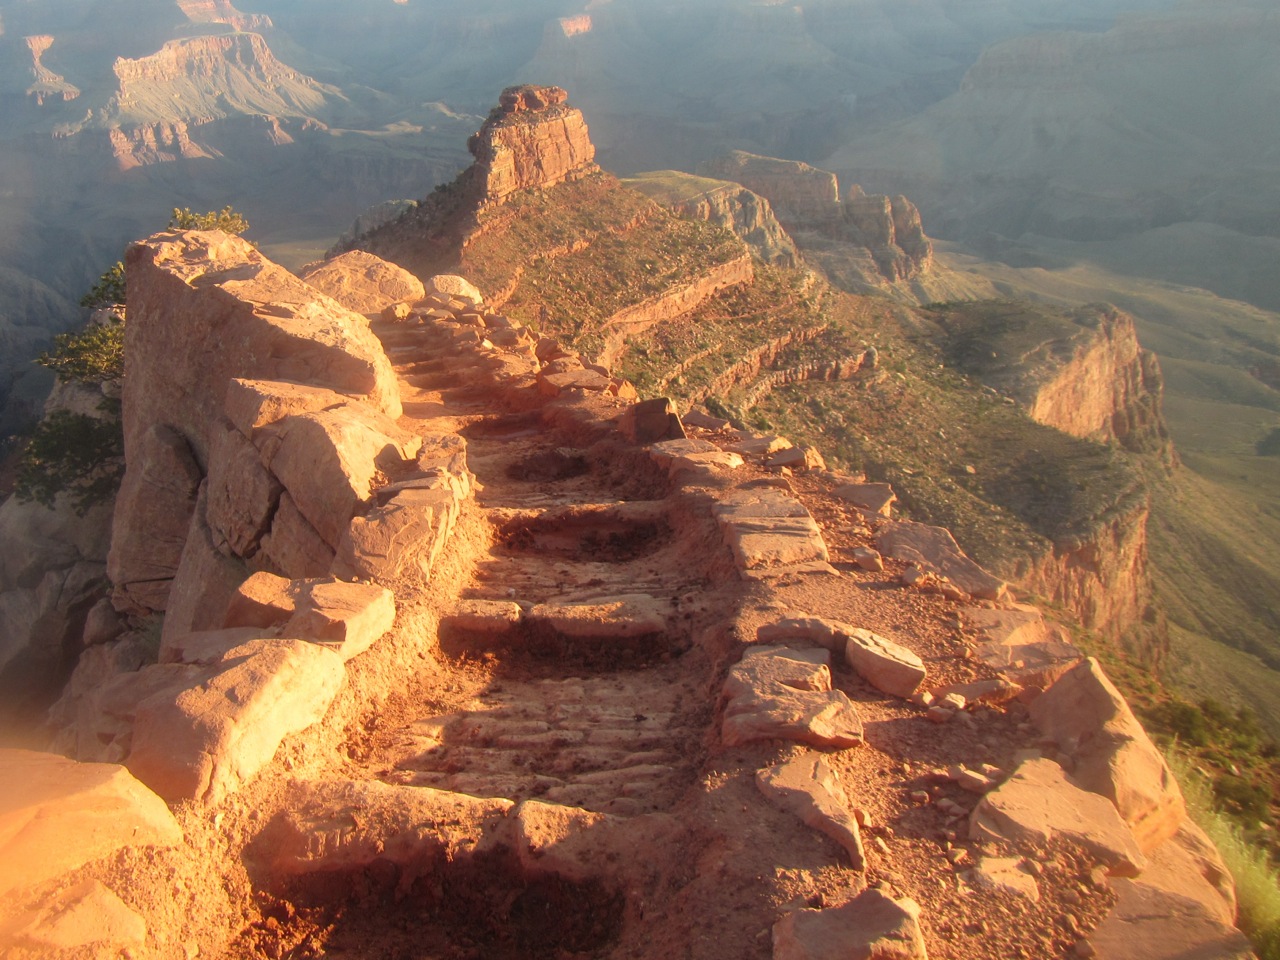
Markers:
533,139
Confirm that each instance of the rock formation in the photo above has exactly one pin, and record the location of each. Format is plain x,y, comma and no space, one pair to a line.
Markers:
531,139
808,200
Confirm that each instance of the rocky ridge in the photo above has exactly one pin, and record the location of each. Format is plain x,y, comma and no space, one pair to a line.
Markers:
539,555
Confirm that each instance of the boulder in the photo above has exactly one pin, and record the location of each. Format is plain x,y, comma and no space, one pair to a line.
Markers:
1039,803
453,287
1091,722
87,915
1189,865
871,926
889,667
293,547
1148,923
206,578
935,548
1021,644
57,815
346,617
242,495
255,403
328,461
806,631
779,693
877,498
362,282
651,421
810,789
402,537
349,825
211,738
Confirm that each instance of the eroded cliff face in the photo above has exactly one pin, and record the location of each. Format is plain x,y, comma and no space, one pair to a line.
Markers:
807,200
725,204
532,139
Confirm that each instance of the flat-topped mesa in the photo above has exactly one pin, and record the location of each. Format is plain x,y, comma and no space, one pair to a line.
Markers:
532,139
806,198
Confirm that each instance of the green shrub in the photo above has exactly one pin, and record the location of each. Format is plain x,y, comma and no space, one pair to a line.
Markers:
93,355
227,220
108,291
72,453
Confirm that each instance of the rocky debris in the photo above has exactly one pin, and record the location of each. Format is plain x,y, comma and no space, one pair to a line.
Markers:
532,140
1148,923
780,693
1021,644
651,421
346,617
887,666
876,498
870,926
1112,755
212,737
1039,803
766,528
348,825
936,549
1005,875
362,282
56,815
810,789
87,915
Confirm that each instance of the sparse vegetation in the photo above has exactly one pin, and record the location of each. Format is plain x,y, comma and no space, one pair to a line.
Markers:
227,220
93,355
109,291
72,453
1256,879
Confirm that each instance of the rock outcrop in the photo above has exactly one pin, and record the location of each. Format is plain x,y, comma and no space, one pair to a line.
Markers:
531,139
807,199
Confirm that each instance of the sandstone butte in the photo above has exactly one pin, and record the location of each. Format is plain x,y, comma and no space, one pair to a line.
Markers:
467,651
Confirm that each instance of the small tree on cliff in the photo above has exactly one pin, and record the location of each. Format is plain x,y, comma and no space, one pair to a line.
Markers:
80,454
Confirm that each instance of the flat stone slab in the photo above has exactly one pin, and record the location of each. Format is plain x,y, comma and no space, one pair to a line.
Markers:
1148,923
667,451
871,926
1039,803
88,915
780,693
57,815
759,446
807,631
1022,645
346,617
1189,865
877,498
889,667
769,542
622,617
350,824
810,789
757,503
1087,717
212,737
488,617
934,547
